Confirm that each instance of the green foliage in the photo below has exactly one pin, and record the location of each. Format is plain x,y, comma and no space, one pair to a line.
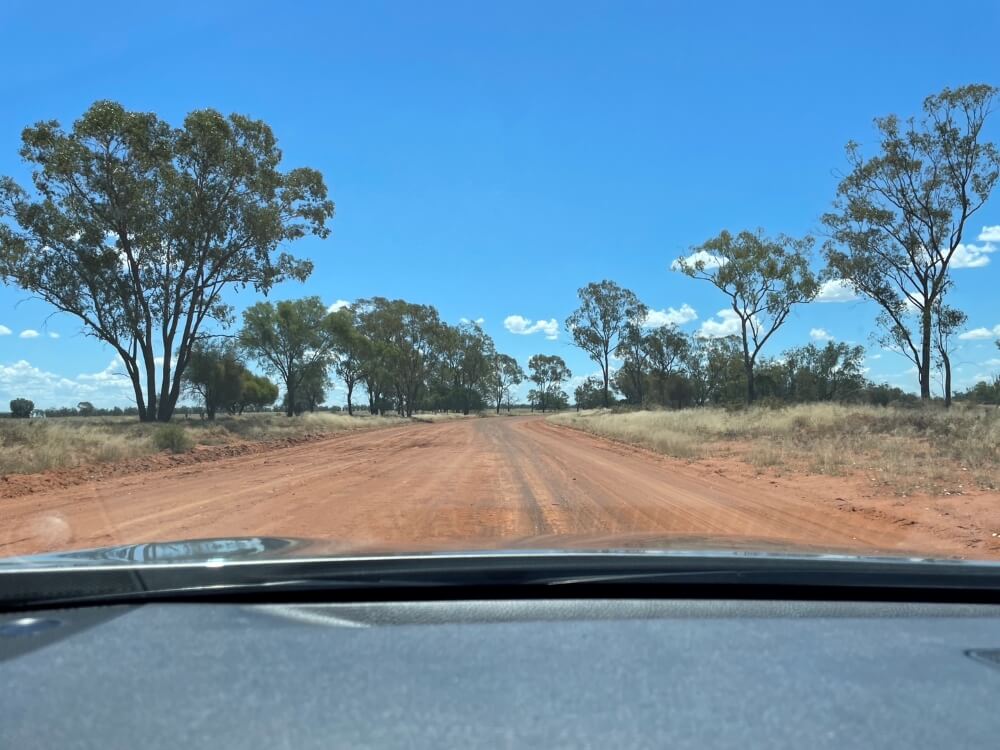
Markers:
349,349
505,374
215,373
311,391
763,278
293,339
899,216
21,408
137,228
548,373
589,394
606,311
983,392
173,438
256,392
833,373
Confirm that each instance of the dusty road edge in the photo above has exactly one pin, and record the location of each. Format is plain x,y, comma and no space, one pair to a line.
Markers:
18,485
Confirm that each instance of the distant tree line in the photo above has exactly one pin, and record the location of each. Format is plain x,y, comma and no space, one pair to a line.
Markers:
400,355
137,229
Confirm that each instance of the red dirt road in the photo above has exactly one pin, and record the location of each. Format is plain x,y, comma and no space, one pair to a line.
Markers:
477,483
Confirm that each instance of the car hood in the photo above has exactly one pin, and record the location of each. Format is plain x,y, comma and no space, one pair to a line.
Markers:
262,548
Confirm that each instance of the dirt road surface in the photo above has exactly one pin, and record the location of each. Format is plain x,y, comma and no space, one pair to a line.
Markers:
477,483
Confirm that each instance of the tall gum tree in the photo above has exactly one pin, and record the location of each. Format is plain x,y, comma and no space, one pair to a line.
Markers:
597,325
763,279
136,228
899,216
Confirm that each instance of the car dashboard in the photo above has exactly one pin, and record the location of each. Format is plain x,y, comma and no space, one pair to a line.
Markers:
503,673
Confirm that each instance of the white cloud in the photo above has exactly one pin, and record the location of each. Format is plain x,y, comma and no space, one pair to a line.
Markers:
524,327
109,387
836,290
728,324
819,334
28,333
340,304
995,362
875,356
5,331
981,333
972,256
701,256
477,321
53,335
670,316
990,234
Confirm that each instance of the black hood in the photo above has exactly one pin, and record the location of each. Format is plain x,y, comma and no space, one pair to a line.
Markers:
264,548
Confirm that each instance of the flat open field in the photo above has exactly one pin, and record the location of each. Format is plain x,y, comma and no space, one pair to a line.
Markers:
486,483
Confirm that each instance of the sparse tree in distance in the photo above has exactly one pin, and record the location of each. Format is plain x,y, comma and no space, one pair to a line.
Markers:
138,227
831,373
292,339
349,352
598,323
712,366
21,408
633,352
548,371
948,321
506,373
900,215
666,348
256,392
85,409
763,278
215,374
589,394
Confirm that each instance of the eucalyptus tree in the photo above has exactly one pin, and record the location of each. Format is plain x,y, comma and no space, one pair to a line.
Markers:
599,322
763,277
548,372
136,228
505,374
900,215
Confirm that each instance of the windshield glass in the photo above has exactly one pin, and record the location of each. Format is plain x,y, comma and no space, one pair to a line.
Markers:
340,279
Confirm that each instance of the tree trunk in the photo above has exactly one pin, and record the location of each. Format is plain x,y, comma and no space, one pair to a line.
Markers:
925,355
946,360
605,380
289,400
350,390
751,393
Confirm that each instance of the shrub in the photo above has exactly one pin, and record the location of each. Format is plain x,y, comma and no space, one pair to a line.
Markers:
172,437
21,408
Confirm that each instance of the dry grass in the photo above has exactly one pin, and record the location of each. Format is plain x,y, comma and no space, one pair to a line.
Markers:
909,450
28,446
434,417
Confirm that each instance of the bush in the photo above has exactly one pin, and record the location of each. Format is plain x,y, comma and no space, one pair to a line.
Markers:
173,438
21,408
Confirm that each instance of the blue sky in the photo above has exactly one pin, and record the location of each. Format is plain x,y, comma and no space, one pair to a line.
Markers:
491,160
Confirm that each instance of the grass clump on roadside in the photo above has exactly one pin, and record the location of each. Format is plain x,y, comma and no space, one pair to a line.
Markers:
28,446
173,438
926,449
